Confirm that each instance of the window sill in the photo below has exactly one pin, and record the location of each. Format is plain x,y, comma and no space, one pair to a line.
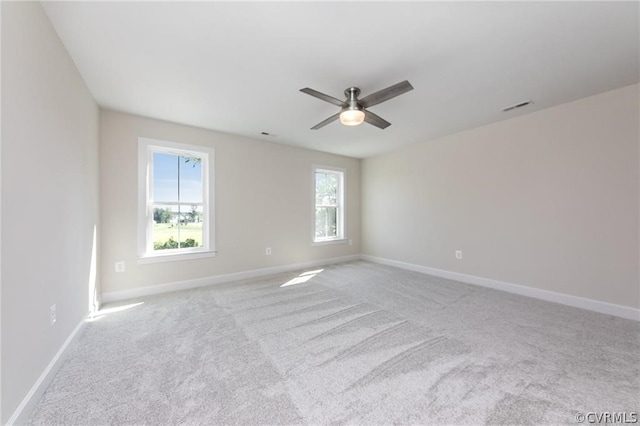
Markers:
176,257
328,242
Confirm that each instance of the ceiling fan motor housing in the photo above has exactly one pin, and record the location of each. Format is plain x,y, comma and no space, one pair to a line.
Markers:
352,99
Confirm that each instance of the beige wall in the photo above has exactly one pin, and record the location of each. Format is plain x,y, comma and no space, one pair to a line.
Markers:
547,200
49,197
263,197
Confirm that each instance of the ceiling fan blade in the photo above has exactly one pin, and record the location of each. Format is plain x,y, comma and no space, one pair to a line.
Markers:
326,98
327,121
376,120
385,94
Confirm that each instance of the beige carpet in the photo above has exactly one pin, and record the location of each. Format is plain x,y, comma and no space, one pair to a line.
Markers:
355,343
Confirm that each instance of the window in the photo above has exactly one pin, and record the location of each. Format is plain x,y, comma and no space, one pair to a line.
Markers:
175,184
329,205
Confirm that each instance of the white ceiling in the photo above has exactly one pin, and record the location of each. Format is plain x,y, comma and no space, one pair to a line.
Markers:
237,67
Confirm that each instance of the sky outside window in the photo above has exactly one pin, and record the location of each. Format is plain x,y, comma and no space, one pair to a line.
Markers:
167,168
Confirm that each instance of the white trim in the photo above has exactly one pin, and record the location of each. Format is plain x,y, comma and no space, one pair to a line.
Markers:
29,402
1,224
342,208
114,296
175,257
550,296
327,242
146,147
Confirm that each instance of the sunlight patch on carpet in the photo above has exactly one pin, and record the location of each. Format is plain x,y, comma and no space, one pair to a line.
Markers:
104,312
302,278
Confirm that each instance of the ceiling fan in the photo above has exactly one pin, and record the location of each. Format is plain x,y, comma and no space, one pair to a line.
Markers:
353,110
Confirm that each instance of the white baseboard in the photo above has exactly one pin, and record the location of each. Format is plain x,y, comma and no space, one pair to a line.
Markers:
550,296
114,296
29,402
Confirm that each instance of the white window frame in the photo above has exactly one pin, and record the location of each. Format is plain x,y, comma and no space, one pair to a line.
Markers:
340,238
146,148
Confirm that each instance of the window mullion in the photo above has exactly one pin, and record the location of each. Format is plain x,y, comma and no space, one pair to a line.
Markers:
179,209
164,214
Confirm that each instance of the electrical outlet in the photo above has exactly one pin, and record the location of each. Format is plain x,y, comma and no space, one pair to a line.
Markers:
268,251
350,242
458,254
52,314
120,266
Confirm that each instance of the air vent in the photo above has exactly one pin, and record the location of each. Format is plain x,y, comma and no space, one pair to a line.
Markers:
520,105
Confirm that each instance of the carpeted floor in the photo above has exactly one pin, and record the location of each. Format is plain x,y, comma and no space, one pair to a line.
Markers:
354,343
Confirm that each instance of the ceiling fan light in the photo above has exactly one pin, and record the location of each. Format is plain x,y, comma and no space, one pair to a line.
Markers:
352,117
